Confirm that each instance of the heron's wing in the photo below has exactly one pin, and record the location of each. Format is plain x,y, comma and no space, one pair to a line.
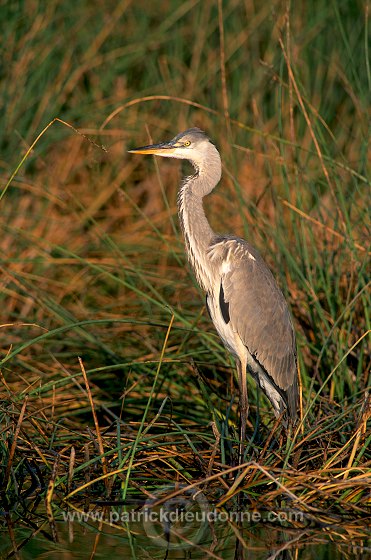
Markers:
258,311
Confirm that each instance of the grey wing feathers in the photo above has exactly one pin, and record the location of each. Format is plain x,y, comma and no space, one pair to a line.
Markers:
258,313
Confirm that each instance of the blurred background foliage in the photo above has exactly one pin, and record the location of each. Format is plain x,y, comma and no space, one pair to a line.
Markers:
91,258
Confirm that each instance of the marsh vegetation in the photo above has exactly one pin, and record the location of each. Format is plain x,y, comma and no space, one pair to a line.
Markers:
113,381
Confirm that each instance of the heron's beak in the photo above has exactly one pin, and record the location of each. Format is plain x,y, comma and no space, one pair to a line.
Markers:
162,149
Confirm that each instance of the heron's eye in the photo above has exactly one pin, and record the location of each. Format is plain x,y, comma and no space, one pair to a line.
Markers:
187,143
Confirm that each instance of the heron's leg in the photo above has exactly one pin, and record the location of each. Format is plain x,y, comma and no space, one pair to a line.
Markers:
256,435
244,407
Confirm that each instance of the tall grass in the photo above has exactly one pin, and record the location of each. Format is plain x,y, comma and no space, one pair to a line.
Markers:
92,261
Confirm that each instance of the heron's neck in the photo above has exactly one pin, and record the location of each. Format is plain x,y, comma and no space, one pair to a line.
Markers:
195,226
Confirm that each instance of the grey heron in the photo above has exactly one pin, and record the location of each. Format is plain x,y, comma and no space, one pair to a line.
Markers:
244,301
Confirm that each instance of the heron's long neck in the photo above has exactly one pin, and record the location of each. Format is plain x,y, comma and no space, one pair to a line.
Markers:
195,226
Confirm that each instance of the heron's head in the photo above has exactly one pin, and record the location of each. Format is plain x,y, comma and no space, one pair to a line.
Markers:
193,144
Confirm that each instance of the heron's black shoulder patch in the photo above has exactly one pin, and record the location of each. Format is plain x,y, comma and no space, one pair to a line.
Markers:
207,307
224,305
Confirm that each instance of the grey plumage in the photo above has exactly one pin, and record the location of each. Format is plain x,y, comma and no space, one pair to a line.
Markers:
245,303
260,318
